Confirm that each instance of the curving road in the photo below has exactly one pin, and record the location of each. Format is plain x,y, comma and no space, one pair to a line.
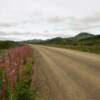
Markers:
66,74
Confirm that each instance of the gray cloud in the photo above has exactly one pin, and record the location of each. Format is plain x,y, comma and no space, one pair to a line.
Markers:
94,18
74,23
86,23
55,19
5,25
2,33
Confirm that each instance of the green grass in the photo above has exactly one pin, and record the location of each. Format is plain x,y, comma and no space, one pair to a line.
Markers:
23,90
91,49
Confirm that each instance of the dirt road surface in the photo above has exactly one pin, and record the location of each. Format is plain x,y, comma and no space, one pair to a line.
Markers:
66,74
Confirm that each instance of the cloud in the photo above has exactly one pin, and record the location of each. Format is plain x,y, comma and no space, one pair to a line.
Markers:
2,33
55,19
75,24
24,19
4,25
48,27
94,18
86,23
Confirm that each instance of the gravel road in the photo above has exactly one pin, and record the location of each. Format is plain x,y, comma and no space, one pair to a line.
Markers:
66,74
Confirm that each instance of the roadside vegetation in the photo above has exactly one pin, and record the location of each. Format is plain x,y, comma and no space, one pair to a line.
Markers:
16,72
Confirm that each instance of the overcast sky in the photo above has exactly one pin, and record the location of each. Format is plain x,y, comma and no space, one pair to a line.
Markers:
42,19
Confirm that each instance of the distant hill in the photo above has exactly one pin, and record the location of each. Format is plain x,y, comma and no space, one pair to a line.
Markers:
83,35
83,41
57,40
7,44
94,40
34,41
82,38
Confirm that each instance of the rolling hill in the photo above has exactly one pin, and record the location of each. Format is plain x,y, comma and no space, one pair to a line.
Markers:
83,35
83,41
7,44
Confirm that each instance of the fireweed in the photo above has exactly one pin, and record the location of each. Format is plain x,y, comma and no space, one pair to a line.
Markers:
16,69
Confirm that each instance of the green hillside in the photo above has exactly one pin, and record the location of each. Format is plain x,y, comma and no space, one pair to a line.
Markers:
84,41
7,44
83,35
80,39
95,40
